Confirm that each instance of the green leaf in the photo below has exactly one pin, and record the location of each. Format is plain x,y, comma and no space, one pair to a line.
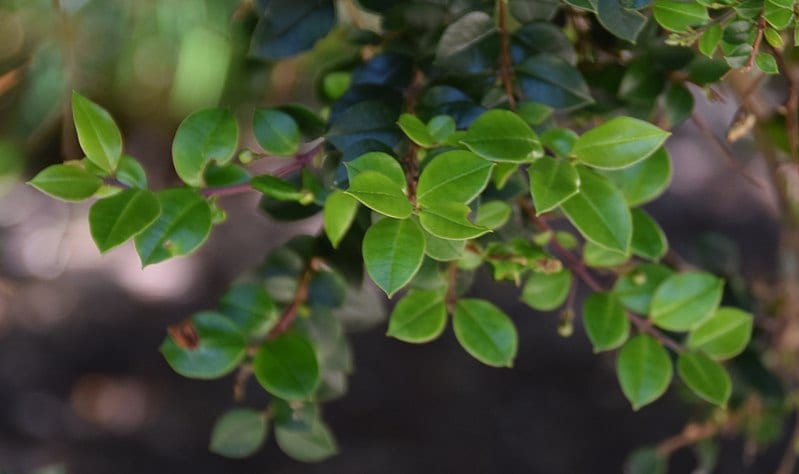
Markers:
183,226
440,128
393,251
635,289
622,22
419,317
443,250
416,130
379,162
381,194
65,182
559,140
675,15
493,214
599,212
547,291
464,33
605,321
276,132
552,81
336,83
552,181
250,307
679,103
645,180
98,134
238,433
705,377
534,113
217,176
618,143
649,241
710,40
289,27
448,221
646,461
130,173
305,438
287,367
644,370
766,63
724,335
485,332
453,176
204,136
114,220
683,301
220,348
277,188
601,257
501,135
778,16
338,214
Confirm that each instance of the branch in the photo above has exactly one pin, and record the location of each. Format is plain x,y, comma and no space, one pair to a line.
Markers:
791,105
300,297
761,25
506,66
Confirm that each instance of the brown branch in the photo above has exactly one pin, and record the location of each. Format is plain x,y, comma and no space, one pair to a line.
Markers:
791,104
300,297
761,26
506,66
240,385
452,287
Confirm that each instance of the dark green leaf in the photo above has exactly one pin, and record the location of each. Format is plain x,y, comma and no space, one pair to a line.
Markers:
547,291
559,140
485,332
66,182
305,437
183,226
419,317
287,367
644,370
683,301
648,241
251,307
645,180
551,80
98,134
289,27
635,289
622,22
220,348
204,136
238,433
605,321
705,377
679,103
116,219
393,251
276,132
464,33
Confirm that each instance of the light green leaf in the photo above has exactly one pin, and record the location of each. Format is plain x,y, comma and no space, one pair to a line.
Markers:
547,291
250,307
419,317
204,136
220,348
98,134
448,221
183,226
552,181
644,370
683,301
552,81
276,132
493,214
443,250
416,130
65,182
453,176
338,214
381,194
379,162
645,180
599,212
605,321
441,127
766,63
602,257
114,220
305,438
277,188
618,143
710,40
287,367
724,335
559,140
501,135
675,15
635,289
705,377
648,241
130,173
485,332
238,433
393,251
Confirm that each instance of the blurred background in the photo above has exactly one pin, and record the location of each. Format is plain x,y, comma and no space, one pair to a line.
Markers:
83,388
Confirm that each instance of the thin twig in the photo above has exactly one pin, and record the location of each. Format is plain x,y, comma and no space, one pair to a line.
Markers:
452,286
761,26
300,297
791,105
506,66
